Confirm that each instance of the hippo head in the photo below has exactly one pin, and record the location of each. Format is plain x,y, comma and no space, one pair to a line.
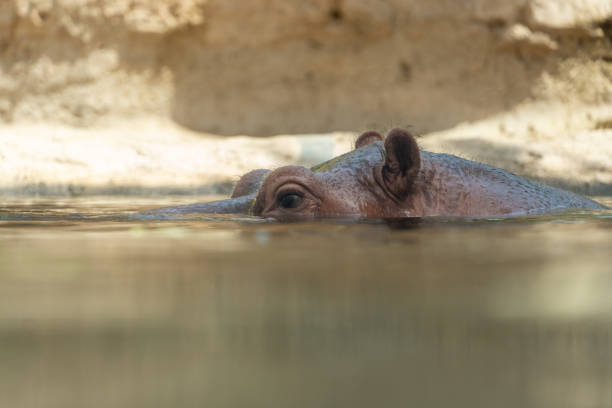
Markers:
374,180
388,178
377,179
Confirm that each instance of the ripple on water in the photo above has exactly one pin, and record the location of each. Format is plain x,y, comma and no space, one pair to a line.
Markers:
200,310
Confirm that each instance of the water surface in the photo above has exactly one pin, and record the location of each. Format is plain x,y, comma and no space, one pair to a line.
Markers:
100,308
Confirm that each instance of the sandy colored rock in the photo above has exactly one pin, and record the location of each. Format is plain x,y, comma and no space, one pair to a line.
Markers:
557,14
269,66
521,37
159,158
82,70
564,147
80,17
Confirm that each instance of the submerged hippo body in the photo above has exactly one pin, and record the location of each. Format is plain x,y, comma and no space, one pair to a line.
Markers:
390,178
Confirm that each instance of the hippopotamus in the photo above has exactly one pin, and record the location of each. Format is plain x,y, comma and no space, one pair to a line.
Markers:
389,178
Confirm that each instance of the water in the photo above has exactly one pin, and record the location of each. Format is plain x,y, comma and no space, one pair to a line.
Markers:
98,309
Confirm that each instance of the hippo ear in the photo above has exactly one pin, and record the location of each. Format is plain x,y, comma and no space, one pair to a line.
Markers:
367,138
249,183
402,163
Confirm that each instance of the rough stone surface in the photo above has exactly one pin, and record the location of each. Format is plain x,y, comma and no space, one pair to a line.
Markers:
273,66
265,67
160,158
569,14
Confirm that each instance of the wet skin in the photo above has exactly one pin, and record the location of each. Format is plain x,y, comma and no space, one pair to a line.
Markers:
389,178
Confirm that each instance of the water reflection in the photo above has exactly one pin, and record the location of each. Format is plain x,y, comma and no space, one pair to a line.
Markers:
229,312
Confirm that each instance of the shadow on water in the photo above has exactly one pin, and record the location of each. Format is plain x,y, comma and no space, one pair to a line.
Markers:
99,308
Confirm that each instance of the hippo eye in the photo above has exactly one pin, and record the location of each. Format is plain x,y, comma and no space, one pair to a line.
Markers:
290,200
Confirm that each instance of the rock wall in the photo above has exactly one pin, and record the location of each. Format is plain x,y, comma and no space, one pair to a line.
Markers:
130,96
262,67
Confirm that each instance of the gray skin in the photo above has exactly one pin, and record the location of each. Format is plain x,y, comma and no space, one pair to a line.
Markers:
389,178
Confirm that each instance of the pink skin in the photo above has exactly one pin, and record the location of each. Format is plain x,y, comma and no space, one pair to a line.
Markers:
249,183
398,180
389,179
